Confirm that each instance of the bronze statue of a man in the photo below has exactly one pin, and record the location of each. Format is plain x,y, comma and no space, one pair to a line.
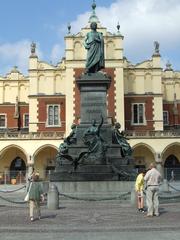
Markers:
94,43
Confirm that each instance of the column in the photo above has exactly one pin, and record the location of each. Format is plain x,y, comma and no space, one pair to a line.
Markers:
159,164
30,167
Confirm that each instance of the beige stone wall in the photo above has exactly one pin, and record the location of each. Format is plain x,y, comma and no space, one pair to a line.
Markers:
143,78
33,114
171,86
119,96
39,150
156,150
158,113
12,86
44,79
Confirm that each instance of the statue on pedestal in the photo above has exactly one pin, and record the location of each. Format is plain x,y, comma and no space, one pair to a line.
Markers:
94,43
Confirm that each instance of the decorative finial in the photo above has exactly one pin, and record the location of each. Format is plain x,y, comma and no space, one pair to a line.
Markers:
15,69
33,48
168,66
69,28
93,17
118,27
156,47
94,6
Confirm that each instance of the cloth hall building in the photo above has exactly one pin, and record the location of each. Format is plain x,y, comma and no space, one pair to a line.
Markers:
37,111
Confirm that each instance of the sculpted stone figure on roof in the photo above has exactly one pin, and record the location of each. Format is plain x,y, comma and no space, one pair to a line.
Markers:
33,48
156,47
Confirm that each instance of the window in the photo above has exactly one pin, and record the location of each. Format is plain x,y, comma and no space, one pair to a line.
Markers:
53,115
138,116
2,121
26,120
166,117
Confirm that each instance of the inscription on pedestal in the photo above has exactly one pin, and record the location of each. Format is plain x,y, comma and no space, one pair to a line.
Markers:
93,105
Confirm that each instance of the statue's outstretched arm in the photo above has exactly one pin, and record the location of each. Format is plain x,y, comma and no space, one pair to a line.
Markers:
102,120
100,125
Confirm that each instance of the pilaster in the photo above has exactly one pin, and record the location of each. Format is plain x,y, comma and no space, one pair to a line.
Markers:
159,164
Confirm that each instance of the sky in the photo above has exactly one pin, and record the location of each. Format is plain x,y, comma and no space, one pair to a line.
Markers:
45,22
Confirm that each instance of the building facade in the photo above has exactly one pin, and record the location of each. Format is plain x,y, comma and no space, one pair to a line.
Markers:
37,111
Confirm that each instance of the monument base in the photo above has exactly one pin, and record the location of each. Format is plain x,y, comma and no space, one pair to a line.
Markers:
85,172
94,172
90,152
95,189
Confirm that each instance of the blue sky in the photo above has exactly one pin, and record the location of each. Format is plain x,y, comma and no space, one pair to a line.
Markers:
45,21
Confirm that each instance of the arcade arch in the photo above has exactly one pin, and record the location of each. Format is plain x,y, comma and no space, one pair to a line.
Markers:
143,155
13,164
171,161
44,160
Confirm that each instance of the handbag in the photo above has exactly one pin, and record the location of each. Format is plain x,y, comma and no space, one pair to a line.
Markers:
26,199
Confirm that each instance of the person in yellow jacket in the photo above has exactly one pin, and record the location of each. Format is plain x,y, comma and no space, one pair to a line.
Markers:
139,186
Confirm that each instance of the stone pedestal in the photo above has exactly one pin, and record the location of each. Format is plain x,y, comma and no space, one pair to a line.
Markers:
93,88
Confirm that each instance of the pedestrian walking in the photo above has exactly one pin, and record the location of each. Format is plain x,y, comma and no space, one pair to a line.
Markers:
139,187
152,180
172,176
35,196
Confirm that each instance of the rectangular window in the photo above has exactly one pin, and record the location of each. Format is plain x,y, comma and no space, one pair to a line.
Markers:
26,120
53,115
2,121
138,113
166,117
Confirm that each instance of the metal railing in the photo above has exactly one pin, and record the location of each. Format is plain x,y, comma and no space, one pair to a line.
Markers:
12,177
172,174
20,177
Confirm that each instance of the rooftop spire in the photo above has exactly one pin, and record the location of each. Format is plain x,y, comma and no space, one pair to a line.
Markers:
93,17
118,27
94,5
69,28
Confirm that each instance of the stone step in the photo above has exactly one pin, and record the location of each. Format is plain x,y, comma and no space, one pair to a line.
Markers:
87,168
82,176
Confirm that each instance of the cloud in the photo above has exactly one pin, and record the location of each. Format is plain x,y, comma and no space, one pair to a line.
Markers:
15,54
142,22
56,52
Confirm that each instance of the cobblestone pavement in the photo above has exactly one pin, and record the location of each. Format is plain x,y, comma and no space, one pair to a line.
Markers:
80,220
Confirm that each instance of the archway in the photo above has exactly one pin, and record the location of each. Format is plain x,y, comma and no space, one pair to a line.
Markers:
18,170
9,162
44,160
172,168
143,155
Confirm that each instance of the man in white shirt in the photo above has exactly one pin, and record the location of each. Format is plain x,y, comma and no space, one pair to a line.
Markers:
152,180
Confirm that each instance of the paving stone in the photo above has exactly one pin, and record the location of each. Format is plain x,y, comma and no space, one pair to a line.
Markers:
93,220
